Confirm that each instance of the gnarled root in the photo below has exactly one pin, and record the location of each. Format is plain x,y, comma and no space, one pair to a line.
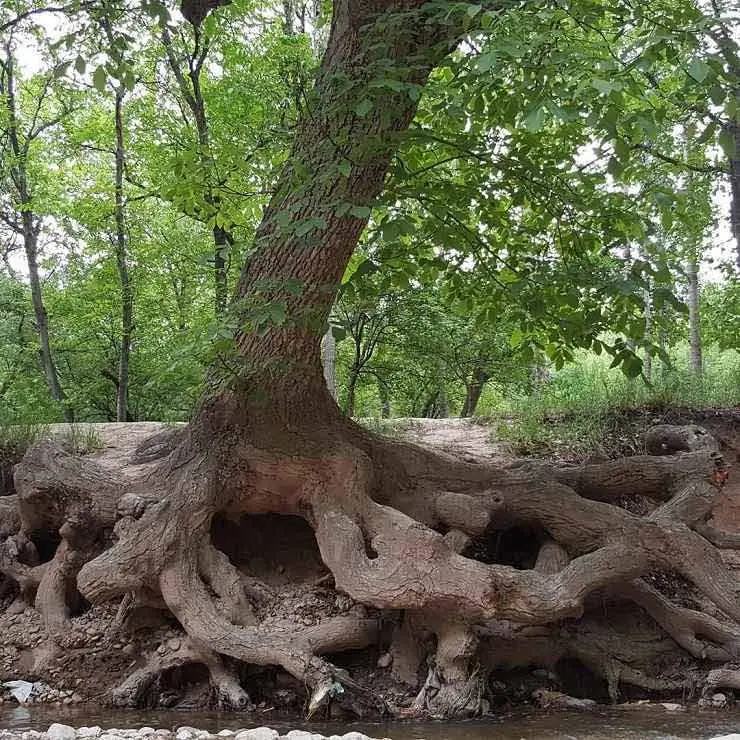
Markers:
396,534
223,680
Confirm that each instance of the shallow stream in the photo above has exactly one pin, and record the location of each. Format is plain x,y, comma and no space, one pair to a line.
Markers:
653,723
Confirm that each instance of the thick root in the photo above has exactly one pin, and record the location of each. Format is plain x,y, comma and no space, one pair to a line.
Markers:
393,547
223,681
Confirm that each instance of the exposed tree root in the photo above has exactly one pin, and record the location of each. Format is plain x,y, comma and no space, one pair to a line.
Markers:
224,681
394,526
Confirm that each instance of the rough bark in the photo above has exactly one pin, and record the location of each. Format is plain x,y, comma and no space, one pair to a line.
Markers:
328,361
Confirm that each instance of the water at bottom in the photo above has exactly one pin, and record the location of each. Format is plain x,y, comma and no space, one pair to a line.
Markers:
653,723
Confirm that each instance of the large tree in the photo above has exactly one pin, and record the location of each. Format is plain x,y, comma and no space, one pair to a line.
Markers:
399,529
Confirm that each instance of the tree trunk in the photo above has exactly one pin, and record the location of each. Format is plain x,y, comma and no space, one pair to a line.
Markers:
192,92
692,275
349,403
29,228
647,364
385,400
399,532
127,300
328,361
473,390
734,129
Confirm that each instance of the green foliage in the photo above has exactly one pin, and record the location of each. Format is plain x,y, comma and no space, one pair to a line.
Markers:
585,409
15,439
559,172
80,439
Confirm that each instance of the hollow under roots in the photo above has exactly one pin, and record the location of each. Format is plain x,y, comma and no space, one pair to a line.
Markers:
410,554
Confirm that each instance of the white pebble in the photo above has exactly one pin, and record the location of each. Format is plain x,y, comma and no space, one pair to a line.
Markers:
258,733
60,732
93,731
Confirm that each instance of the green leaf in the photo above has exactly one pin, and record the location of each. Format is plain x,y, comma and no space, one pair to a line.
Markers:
615,167
698,70
345,168
364,107
277,313
534,119
605,86
707,134
80,65
632,366
485,61
718,94
100,77
727,142
360,211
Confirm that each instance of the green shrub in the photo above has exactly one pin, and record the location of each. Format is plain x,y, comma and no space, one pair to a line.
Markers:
15,439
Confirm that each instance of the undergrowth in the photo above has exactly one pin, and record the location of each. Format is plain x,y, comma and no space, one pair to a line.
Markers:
81,439
587,411
15,439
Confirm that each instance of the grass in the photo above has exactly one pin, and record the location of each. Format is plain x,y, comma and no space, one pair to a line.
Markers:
15,439
81,439
589,411
389,427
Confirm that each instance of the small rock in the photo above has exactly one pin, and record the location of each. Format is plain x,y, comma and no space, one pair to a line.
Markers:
146,731
385,660
719,700
672,707
93,732
128,649
354,736
258,733
299,735
174,644
162,649
186,733
60,732
225,733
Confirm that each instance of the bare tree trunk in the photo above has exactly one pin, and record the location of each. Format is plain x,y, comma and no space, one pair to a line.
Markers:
385,400
692,275
473,391
734,129
30,242
328,361
647,364
288,17
192,93
29,226
127,301
349,403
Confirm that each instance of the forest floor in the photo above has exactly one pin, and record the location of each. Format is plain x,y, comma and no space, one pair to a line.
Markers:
97,654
